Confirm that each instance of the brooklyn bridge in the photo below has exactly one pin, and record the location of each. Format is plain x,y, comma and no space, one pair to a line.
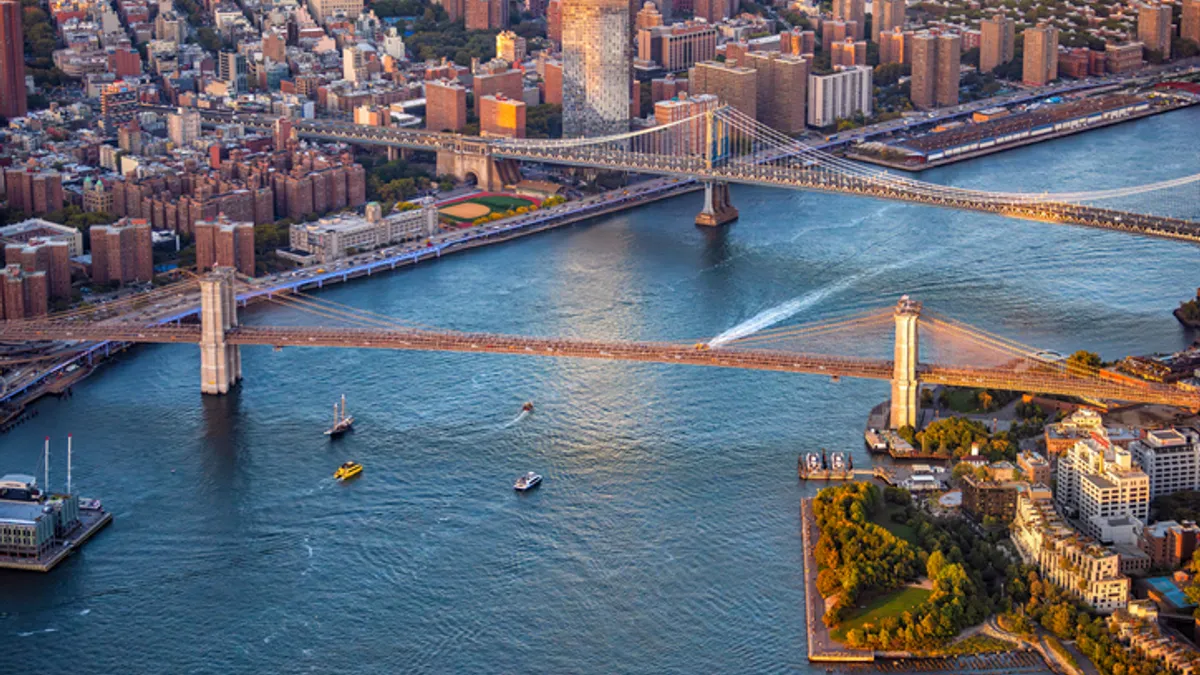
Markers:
965,356
726,146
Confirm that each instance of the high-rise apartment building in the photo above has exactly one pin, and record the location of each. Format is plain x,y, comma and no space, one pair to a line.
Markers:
50,256
852,10
183,127
1189,21
231,69
1154,27
1099,481
848,53
510,47
997,42
597,67
118,105
354,62
798,42
12,60
935,69
888,16
554,21
486,14
839,95
679,46
24,293
33,192
781,89
712,11
225,243
323,9
502,116
648,17
734,85
895,47
552,83
688,138
122,252
445,106
1171,458
1081,567
1041,55
1170,544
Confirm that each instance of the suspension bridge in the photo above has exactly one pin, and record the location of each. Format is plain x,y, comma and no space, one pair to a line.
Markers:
726,146
963,355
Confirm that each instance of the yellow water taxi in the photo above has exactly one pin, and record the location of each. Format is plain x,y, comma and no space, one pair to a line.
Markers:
348,470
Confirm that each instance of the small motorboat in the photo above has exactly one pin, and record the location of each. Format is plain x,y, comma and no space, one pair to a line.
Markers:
348,470
527,482
528,407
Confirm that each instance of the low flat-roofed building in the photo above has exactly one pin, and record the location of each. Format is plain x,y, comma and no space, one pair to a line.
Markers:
336,237
1034,466
1170,544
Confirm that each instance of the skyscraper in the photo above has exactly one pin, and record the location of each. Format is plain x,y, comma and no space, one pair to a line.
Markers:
596,67
889,15
1041,55
12,60
852,10
935,66
997,42
1154,27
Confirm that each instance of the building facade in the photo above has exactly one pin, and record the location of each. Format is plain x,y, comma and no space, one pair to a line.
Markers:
1170,544
997,42
989,499
445,106
122,252
1098,482
1171,458
888,16
501,116
1189,21
1080,566
597,66
734,85
781,89
1041,55
839,95
1154,27
852,10
333,238
935,69
12,60
221,242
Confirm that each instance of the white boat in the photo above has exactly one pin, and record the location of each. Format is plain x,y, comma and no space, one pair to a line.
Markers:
341,421
527,482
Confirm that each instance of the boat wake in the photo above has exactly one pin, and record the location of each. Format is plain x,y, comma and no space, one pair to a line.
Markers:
770,317
37,632
516,420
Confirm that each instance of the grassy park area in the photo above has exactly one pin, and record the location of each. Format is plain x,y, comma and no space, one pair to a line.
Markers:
892,604
482,206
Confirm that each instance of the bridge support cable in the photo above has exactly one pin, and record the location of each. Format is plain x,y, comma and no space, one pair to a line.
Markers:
847,327
129,303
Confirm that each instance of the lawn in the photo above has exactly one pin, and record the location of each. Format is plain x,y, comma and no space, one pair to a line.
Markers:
900,530
977,644
491,202
892,604
962,400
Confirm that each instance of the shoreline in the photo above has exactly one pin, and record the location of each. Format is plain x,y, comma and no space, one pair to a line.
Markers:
976,154
93,357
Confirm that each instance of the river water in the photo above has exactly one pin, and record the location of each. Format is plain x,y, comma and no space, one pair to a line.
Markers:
665,537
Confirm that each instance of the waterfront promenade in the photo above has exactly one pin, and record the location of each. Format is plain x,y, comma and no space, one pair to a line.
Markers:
821,646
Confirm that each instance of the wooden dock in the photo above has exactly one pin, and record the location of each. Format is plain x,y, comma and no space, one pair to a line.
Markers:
91,522
882,473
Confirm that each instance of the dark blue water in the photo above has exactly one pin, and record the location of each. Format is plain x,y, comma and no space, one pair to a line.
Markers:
665,537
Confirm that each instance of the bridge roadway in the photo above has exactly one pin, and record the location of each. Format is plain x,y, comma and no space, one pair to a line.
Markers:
1046,381
742,171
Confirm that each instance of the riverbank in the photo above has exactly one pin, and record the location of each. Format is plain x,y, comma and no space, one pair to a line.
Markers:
995,147
821,646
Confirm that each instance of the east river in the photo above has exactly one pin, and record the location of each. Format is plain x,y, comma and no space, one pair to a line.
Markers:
665,537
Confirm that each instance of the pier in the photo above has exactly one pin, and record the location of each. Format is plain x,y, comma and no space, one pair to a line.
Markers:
91,521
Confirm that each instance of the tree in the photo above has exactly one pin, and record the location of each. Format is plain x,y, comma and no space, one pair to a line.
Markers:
1084,362
934,565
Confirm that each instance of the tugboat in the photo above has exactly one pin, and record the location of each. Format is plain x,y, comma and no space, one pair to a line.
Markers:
528,407
527,482
348,470
341,421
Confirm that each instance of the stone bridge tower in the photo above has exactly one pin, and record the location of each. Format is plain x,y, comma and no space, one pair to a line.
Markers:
220,362
905,387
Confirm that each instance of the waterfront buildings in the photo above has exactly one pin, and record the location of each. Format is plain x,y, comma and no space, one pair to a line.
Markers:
445,106
997,42
1041,55
596,67
122,252
1154,27
221,242
781,81
501,116
1081,424
12,60
335,237
839,95
30,526
888,16
1170,544
1078,564
935,69
1098,482
1171,458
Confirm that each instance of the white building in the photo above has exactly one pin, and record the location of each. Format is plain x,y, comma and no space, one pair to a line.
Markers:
44,230
1077,564
338,236
183,127
393,45
597,67
1171,458
1098,482
839,95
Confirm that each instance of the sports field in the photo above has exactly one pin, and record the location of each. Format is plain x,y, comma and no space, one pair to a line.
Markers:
467,210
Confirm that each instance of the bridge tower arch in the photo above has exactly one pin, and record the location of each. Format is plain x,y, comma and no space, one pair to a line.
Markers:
220,362
906,388
462,162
